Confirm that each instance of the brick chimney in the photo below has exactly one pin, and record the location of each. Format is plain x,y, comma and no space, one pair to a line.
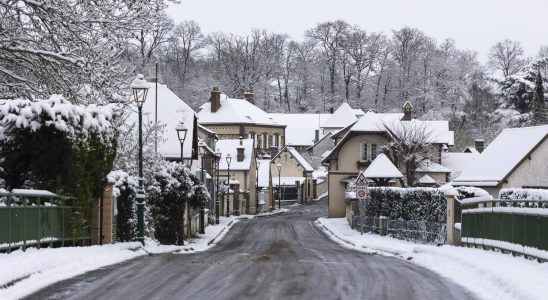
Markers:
215,99
479,144
240,151
316,136
248,95
407,112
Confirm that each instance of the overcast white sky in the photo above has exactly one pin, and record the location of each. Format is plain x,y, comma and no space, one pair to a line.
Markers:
473,24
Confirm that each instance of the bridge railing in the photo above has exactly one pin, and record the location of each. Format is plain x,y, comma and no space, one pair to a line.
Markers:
516,226
37,218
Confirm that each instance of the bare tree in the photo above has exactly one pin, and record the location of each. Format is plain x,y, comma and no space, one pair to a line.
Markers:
507,57
187,38
329,36
407,44
410,146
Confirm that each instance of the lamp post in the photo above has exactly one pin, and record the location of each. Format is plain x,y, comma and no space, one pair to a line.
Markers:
217,202
139,87
182,130
279,167
228,160
181,135
257,165
204,179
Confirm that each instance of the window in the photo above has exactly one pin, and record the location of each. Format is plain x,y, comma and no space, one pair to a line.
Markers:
363,151
265,141
373,151
276,141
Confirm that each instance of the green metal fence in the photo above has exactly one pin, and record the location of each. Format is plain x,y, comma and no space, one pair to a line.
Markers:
515,225
30,218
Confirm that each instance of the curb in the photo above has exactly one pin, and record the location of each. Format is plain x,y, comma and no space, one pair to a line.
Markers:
220,232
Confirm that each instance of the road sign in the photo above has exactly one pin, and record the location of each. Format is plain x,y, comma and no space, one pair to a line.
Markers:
361,186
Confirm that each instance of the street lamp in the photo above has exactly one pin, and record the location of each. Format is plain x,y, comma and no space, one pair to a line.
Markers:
217,202
228,160
279,167
139,87
257,165
202,151
181,134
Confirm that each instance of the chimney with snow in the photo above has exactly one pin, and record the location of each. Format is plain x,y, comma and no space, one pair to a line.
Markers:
248,95
215,99
407,111
240,151
479,144
316,136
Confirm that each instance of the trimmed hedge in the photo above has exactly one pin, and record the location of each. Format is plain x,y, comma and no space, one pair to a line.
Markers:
417,204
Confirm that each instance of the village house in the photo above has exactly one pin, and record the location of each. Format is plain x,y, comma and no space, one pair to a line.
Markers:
242,177
361,142
231,118
295,176
516,158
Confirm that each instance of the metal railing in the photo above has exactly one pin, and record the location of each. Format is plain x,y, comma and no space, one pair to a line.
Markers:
32,218
517,226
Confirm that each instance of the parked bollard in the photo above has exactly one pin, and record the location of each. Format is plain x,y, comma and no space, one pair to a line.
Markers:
383,226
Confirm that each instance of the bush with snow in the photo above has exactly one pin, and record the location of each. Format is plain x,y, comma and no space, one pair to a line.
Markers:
124,191
55,145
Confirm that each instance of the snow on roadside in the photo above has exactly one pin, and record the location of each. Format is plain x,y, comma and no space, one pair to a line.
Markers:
487,274
24,273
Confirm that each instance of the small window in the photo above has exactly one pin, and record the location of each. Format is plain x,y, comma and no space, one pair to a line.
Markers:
363,151
265,141
373,151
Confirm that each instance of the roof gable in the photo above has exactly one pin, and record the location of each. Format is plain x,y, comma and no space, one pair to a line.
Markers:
297,156
342,117
382,167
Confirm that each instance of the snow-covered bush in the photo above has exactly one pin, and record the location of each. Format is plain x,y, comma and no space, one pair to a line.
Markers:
169,191
55,145
124,191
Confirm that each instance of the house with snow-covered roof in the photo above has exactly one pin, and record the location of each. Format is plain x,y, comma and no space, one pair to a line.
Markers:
232,118
164,107
516,158
303,130
242,175
342,117
295,177
358,144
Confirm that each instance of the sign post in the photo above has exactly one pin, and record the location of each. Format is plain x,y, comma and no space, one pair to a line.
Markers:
361,194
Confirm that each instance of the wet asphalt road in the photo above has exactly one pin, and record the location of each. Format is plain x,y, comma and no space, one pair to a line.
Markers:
278,257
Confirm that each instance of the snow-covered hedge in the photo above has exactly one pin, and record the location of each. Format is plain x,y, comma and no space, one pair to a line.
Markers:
523,194
417,204
124,191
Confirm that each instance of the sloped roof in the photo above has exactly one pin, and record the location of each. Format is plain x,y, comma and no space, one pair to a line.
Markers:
171,110
306,166
230,147
234,111
432,167
301,128
458,161
382,167
426,179
504,153
342,117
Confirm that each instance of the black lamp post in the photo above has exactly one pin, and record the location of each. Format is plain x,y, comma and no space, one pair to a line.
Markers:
228,160
139,87
181,135
217,202
279,167
257,165
204,179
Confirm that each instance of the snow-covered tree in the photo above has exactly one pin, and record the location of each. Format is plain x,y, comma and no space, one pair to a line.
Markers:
70,47
539,114
507,57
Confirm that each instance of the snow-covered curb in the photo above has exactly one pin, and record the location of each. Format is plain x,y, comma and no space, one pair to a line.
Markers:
487,274
23,273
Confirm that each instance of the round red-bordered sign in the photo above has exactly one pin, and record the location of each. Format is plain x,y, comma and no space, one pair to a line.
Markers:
361,193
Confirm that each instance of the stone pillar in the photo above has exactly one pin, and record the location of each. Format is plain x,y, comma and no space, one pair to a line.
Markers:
383,226
452,218
108,212
299,191
314,188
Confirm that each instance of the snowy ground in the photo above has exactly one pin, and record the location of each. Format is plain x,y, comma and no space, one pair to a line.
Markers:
23,273
487,274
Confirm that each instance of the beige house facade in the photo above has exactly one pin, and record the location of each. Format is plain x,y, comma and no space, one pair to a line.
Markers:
294,168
